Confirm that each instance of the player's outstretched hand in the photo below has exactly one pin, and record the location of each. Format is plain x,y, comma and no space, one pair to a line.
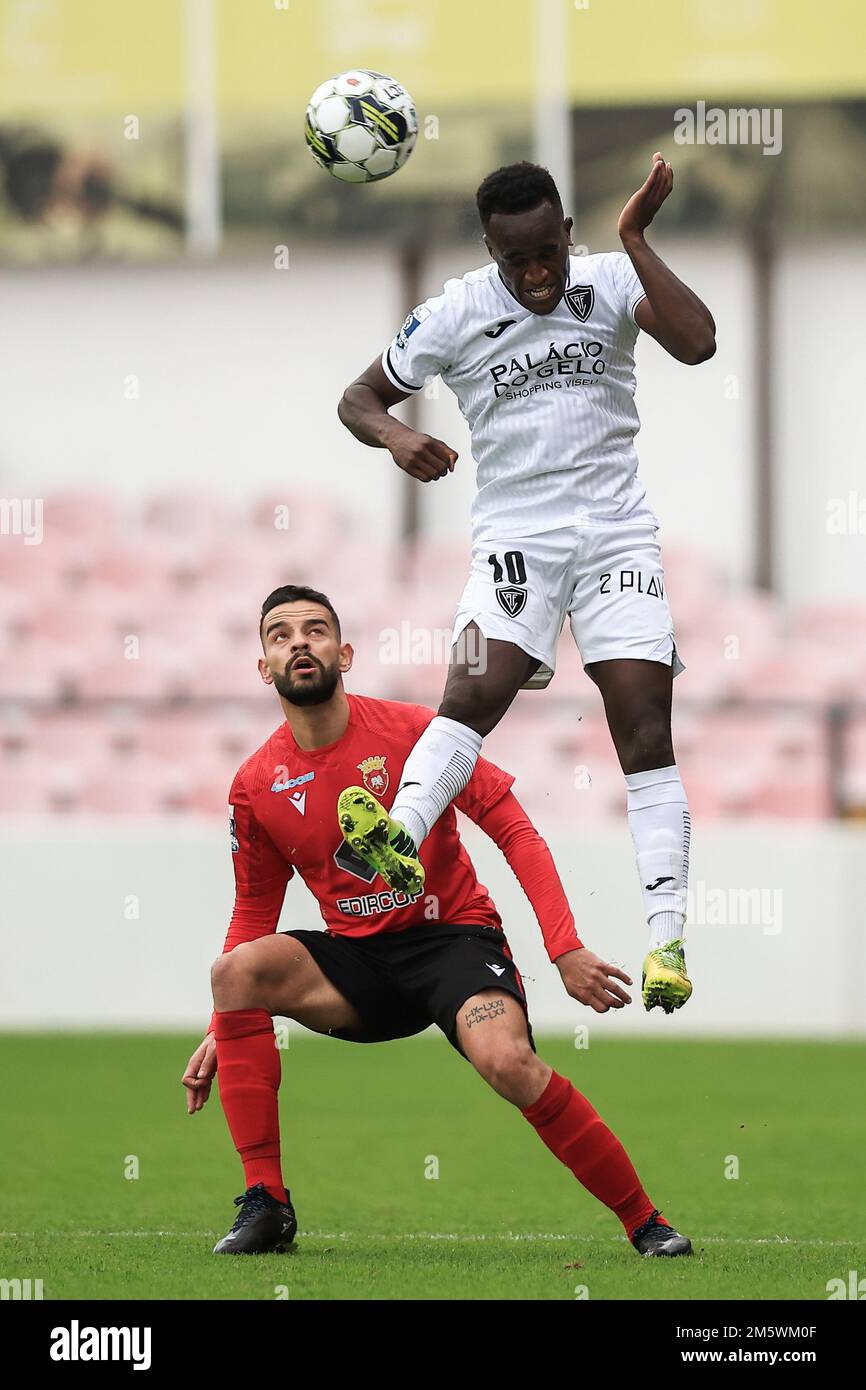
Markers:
199,1074
592,981
421,455
642,206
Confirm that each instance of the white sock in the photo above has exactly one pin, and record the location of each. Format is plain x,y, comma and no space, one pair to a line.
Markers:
658,817
439,765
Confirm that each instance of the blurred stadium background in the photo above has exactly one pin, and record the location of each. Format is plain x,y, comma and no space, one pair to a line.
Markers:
186,295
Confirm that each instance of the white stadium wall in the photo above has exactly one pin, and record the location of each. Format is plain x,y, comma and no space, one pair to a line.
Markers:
115,926
239,369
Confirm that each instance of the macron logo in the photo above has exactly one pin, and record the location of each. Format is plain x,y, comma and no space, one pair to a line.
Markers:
279,786
77,1343
497,969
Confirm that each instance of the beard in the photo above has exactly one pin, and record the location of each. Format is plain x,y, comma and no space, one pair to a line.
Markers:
307,690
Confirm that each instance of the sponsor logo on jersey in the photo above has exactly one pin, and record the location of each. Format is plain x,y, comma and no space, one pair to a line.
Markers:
580,300
512,601
410,323
635,580
375,774
292,782
499,329
233,831
562,365
372,903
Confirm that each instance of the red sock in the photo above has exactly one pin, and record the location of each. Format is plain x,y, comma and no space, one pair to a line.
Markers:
566,1122
248,1073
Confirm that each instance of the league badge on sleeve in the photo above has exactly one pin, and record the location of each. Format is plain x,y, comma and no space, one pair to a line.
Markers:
233,831
411,322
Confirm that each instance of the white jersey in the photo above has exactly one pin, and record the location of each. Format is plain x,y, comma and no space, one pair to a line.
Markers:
549,398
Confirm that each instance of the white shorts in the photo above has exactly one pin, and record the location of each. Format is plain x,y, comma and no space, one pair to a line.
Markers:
608,579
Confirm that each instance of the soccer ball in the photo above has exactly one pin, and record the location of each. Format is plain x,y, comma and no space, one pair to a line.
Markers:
361,126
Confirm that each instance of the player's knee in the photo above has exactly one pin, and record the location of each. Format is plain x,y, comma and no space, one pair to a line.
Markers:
477,703
507,1068
232,976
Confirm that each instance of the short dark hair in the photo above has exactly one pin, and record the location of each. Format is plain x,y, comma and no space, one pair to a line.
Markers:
295,593
516,188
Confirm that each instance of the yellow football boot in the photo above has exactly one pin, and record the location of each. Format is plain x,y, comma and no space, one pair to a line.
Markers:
665,983
382,842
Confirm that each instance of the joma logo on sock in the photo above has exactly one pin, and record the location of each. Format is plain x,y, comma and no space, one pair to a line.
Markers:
77,1343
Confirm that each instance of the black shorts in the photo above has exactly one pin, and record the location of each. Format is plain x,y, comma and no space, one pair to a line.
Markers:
401,982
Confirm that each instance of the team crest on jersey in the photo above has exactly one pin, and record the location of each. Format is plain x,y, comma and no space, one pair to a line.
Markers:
580,300
513,601
375,775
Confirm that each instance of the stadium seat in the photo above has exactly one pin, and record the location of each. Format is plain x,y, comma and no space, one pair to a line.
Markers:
186,576
88,515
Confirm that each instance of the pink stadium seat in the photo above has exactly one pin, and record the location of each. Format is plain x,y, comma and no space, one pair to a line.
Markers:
706,799
157,674
85,515
209,794
88,617
135,785
14,608
709,673
798,793
188,580
29,673
439,565
28,568
31,785
82,737
187,512
18,726
802,674
137,567
834,624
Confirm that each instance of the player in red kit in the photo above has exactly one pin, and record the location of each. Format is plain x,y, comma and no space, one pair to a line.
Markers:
388,963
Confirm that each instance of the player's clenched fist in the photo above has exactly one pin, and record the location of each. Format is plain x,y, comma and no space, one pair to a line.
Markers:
199,1074
592,981
421,455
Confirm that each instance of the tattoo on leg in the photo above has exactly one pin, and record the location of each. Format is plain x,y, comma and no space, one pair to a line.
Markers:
493,1008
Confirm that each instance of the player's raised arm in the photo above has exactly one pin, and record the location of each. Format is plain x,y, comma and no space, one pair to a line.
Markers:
671,313
364,410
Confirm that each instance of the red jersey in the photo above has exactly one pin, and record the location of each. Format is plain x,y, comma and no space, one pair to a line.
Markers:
284,821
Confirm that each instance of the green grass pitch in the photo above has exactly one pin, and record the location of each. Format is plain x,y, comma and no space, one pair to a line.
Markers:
503,1219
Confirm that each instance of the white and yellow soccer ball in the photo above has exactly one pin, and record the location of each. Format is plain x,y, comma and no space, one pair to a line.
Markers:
361,126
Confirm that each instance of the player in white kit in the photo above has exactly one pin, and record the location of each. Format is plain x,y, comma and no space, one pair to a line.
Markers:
538,347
